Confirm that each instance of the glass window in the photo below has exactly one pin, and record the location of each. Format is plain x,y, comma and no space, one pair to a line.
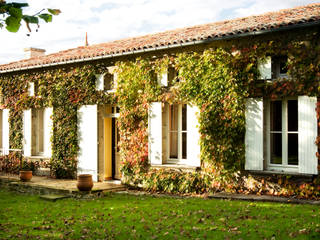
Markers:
177,132
108,81
284,133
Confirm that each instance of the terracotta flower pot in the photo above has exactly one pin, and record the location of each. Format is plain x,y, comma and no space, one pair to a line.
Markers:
85,182
25,176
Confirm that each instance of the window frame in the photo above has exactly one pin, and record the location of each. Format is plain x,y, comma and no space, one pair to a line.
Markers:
179,159
285,167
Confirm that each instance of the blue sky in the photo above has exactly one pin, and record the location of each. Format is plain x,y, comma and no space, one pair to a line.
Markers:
107,20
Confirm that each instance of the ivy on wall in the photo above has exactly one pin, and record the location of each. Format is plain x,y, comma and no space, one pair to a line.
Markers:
218,80
64,89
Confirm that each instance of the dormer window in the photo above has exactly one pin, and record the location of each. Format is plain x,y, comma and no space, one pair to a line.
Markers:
273,67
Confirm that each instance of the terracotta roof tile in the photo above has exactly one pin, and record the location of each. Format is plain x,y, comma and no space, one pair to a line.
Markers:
267,21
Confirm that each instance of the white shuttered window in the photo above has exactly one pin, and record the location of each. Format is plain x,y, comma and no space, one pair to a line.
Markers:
287,143
173,134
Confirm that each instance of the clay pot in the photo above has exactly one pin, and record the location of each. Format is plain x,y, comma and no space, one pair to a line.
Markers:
85,182
25,176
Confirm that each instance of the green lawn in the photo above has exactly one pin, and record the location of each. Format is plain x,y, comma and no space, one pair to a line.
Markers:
145,217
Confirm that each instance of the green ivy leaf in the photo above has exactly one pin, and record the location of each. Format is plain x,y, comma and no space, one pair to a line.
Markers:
15,12
30,19
54,11
46,17
13,24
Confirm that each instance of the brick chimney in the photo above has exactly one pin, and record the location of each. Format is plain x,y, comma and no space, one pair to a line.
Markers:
33,52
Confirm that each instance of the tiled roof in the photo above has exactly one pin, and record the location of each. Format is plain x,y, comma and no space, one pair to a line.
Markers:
298,16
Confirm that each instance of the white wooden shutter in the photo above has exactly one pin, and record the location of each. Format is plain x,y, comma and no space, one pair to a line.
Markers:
5,130
99,81
31,89
193,136
47,132
264,67
27,132
307,126
155,133
88,140
254,134
163,79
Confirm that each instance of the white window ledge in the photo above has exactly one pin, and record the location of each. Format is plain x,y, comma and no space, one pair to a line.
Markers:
37,157
269,172
175,166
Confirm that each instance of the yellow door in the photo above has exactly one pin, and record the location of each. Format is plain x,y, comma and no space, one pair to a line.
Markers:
111,147
108,146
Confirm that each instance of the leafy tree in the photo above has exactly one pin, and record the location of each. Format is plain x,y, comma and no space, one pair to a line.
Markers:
11,15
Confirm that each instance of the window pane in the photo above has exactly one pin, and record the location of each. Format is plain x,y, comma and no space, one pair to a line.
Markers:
108,80
184,145
276,115
173,145
276,148
283,64
292,115
184,117
293,149
173,117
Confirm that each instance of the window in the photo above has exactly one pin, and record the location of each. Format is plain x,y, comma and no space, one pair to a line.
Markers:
108,81
273,67
173,75
177,132
37,132
283,135
173,134
279,67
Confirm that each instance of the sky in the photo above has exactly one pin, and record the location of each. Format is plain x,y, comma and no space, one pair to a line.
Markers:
107,20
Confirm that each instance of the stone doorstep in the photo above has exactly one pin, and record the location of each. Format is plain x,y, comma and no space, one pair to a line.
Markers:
57,189
53,197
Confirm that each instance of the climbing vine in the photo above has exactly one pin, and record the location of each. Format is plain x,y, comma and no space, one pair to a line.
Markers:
64,89
218,80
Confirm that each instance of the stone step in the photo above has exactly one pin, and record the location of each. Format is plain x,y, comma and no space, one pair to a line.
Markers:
53,197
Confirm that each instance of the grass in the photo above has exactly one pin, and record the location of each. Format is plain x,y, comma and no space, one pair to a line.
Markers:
145,217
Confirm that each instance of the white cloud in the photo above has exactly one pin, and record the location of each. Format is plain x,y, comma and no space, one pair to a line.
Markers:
106,20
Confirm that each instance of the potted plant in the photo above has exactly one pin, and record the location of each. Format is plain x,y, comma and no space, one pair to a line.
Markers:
85,182
26,168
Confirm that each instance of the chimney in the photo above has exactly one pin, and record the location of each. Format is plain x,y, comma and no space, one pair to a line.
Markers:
33,52
86,43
